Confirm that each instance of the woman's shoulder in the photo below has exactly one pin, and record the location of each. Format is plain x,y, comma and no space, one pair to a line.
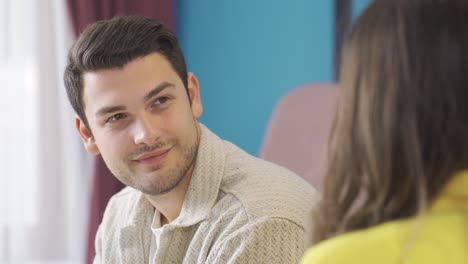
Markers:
374,245
414,240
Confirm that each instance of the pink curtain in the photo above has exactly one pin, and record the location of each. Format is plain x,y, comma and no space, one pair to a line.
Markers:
84,13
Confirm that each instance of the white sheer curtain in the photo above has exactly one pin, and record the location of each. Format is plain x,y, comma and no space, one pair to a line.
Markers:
44,182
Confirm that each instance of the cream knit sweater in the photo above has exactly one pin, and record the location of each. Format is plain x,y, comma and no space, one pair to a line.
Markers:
238,209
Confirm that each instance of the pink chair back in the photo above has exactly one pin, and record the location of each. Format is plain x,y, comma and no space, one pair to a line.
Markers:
297,135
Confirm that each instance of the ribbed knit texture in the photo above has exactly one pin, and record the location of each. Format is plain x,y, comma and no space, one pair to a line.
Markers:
238,209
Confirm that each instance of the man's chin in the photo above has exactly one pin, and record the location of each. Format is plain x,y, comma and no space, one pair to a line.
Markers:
154,190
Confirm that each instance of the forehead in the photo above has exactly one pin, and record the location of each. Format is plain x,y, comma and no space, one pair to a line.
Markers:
134,80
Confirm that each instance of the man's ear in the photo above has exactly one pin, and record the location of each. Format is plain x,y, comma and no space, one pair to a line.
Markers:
86,136
194,93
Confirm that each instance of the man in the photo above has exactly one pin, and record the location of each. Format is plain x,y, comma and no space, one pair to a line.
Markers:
191,197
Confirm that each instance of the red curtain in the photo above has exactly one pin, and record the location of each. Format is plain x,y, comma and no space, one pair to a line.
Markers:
84,13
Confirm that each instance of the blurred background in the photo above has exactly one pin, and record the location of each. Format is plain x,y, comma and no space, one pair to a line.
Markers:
247,55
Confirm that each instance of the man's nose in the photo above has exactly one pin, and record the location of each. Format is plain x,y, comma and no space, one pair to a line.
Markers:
145,131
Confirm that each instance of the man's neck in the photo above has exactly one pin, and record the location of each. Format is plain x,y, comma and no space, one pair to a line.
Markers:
170,204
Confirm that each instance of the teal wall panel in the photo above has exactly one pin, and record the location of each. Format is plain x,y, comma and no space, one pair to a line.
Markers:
359,6
247,54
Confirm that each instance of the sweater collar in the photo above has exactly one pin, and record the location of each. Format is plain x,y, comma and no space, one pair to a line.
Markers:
206,179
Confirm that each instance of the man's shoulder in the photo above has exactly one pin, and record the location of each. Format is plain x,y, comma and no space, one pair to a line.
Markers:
266,190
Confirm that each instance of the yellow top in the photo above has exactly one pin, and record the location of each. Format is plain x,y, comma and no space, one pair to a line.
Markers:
438,236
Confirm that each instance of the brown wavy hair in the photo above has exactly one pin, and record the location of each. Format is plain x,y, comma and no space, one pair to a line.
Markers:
111,44
401,126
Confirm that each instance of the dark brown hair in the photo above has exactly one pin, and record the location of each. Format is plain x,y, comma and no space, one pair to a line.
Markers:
112,44
401,127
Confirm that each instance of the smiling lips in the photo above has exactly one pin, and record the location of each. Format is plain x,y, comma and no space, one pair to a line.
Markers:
152,157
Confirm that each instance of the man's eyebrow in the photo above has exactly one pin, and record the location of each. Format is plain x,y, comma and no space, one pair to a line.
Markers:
148,96
157,90
109,109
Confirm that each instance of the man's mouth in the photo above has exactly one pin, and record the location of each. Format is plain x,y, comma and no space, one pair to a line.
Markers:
153,156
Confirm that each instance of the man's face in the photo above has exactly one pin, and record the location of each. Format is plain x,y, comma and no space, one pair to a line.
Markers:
142,122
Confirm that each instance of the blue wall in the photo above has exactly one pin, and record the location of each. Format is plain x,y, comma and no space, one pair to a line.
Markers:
358,7
247,54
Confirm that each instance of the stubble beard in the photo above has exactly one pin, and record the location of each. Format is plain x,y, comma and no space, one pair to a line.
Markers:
177,174
172,178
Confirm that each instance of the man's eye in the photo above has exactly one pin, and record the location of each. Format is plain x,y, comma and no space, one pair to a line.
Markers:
116,117
161,101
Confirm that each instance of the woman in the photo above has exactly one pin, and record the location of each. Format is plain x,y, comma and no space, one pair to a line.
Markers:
396,189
